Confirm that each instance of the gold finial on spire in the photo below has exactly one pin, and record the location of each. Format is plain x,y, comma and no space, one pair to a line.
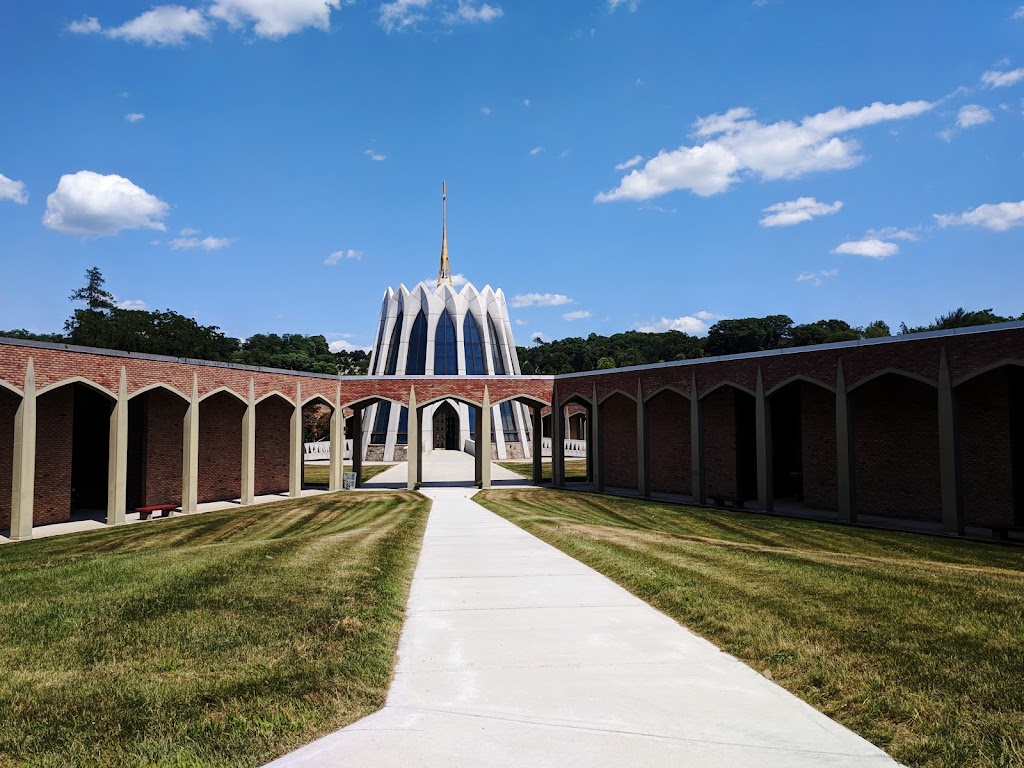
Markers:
444,273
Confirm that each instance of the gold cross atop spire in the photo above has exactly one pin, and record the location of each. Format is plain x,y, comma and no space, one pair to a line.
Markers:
444,273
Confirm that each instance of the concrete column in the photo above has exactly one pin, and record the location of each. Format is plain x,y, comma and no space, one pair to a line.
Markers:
249,447
412,448
357,444
295,447
949,452
190,450
696,442
478,467
845,471
117,456
337,444
596,433
763,430
643,451
417,415
538,436
557,443
24,470
485,443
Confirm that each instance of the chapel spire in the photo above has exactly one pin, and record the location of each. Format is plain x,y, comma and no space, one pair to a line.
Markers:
444,272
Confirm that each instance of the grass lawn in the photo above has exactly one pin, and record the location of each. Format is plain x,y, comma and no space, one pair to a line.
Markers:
222,639
320,474
914,642
575,469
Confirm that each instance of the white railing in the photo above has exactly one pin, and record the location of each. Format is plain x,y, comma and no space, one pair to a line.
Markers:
575,449
321,450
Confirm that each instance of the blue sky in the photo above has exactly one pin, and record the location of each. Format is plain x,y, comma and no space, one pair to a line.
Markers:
274,165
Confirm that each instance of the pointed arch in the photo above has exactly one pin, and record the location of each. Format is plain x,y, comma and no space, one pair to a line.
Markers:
446,351
475,353
416,359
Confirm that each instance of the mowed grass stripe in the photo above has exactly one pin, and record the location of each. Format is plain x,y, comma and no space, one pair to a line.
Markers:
915,642
221,639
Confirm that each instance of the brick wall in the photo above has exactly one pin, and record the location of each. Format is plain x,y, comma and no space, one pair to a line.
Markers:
54,422
8,407
273,424
896,449
220,447
618,435
720,443
818,447
985,450
164,415
668,440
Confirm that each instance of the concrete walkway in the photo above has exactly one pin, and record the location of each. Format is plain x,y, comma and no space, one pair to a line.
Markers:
514,654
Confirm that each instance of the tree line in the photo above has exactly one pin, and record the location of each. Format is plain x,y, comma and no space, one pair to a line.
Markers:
726,337
99,322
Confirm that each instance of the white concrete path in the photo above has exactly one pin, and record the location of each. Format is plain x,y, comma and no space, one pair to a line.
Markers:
514,654
454,468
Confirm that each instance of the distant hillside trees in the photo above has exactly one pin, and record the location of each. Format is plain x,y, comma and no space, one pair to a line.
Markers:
101,323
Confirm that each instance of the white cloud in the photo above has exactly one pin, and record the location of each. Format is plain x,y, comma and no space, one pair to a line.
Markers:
163,25
12,190
520,322
972,115
526,103
536,151
996,79
276,18
695,324
735,144
1019,13
188,232
131,304
871,247
458,280
797,211
341,345
401,14
539,335
485,111
580,314
348,255
88,26
91,204
134,117
540,300
469,13
816,278
206,243
997,217
629,5
893,233
374,155
635,160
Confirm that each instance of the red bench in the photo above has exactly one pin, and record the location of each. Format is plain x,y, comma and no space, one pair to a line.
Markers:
164,510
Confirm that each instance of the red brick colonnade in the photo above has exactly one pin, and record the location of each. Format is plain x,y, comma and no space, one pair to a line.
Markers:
928,427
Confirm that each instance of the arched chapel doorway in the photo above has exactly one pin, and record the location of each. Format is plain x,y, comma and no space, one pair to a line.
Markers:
446,428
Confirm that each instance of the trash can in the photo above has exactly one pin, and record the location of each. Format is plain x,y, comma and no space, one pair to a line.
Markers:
349,482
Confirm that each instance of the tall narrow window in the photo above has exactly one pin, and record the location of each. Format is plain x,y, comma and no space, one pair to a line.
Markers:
380,337
472,424
474,346
508,423
380,424
402,436
416,360
446,360
396,341
496,357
